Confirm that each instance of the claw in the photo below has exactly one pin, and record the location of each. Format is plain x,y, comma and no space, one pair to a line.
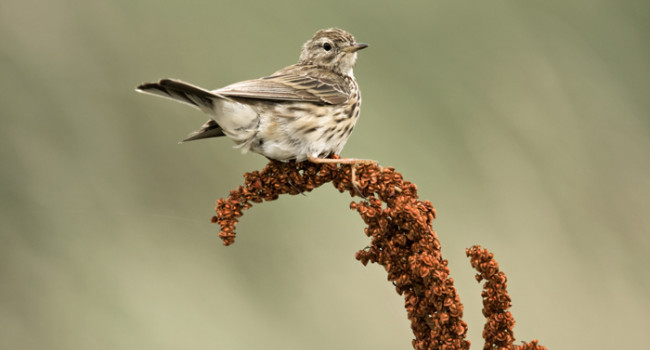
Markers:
353,168
353,180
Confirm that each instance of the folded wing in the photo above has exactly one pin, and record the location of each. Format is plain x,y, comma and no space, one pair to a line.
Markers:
289,87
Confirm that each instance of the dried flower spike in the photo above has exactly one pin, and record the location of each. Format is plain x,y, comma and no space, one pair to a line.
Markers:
402,241
498,330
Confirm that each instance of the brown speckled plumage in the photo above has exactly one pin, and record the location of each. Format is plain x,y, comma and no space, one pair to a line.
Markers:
305,111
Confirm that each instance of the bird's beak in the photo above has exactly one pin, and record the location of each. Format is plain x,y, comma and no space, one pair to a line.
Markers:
356,47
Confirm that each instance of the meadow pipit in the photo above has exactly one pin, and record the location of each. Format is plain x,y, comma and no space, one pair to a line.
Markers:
305,111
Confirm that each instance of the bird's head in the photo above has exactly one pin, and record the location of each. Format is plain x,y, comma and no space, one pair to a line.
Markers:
333,49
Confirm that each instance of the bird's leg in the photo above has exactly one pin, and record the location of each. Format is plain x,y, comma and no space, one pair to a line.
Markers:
353,162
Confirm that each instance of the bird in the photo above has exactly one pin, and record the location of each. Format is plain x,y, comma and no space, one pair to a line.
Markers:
305,111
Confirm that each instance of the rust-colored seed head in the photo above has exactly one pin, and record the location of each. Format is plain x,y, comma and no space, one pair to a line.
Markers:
402,241
498,330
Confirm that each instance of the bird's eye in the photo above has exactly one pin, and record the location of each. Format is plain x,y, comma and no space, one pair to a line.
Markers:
327,46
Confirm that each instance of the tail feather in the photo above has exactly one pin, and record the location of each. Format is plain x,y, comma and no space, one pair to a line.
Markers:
209,129
181,92
191,95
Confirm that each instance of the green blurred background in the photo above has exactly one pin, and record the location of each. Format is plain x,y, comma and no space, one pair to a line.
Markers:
526,123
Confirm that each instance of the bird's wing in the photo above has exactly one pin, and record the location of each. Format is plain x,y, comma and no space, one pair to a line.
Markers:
289,87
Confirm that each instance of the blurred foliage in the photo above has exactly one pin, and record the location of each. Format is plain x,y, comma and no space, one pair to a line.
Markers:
525,123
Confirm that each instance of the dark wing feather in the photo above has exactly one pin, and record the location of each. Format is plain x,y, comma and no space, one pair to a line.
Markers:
289,87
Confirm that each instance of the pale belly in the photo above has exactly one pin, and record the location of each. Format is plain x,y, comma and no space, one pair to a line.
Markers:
302,130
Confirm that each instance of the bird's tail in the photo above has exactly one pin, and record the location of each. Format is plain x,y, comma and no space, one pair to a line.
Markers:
181,92
191,95
228,117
